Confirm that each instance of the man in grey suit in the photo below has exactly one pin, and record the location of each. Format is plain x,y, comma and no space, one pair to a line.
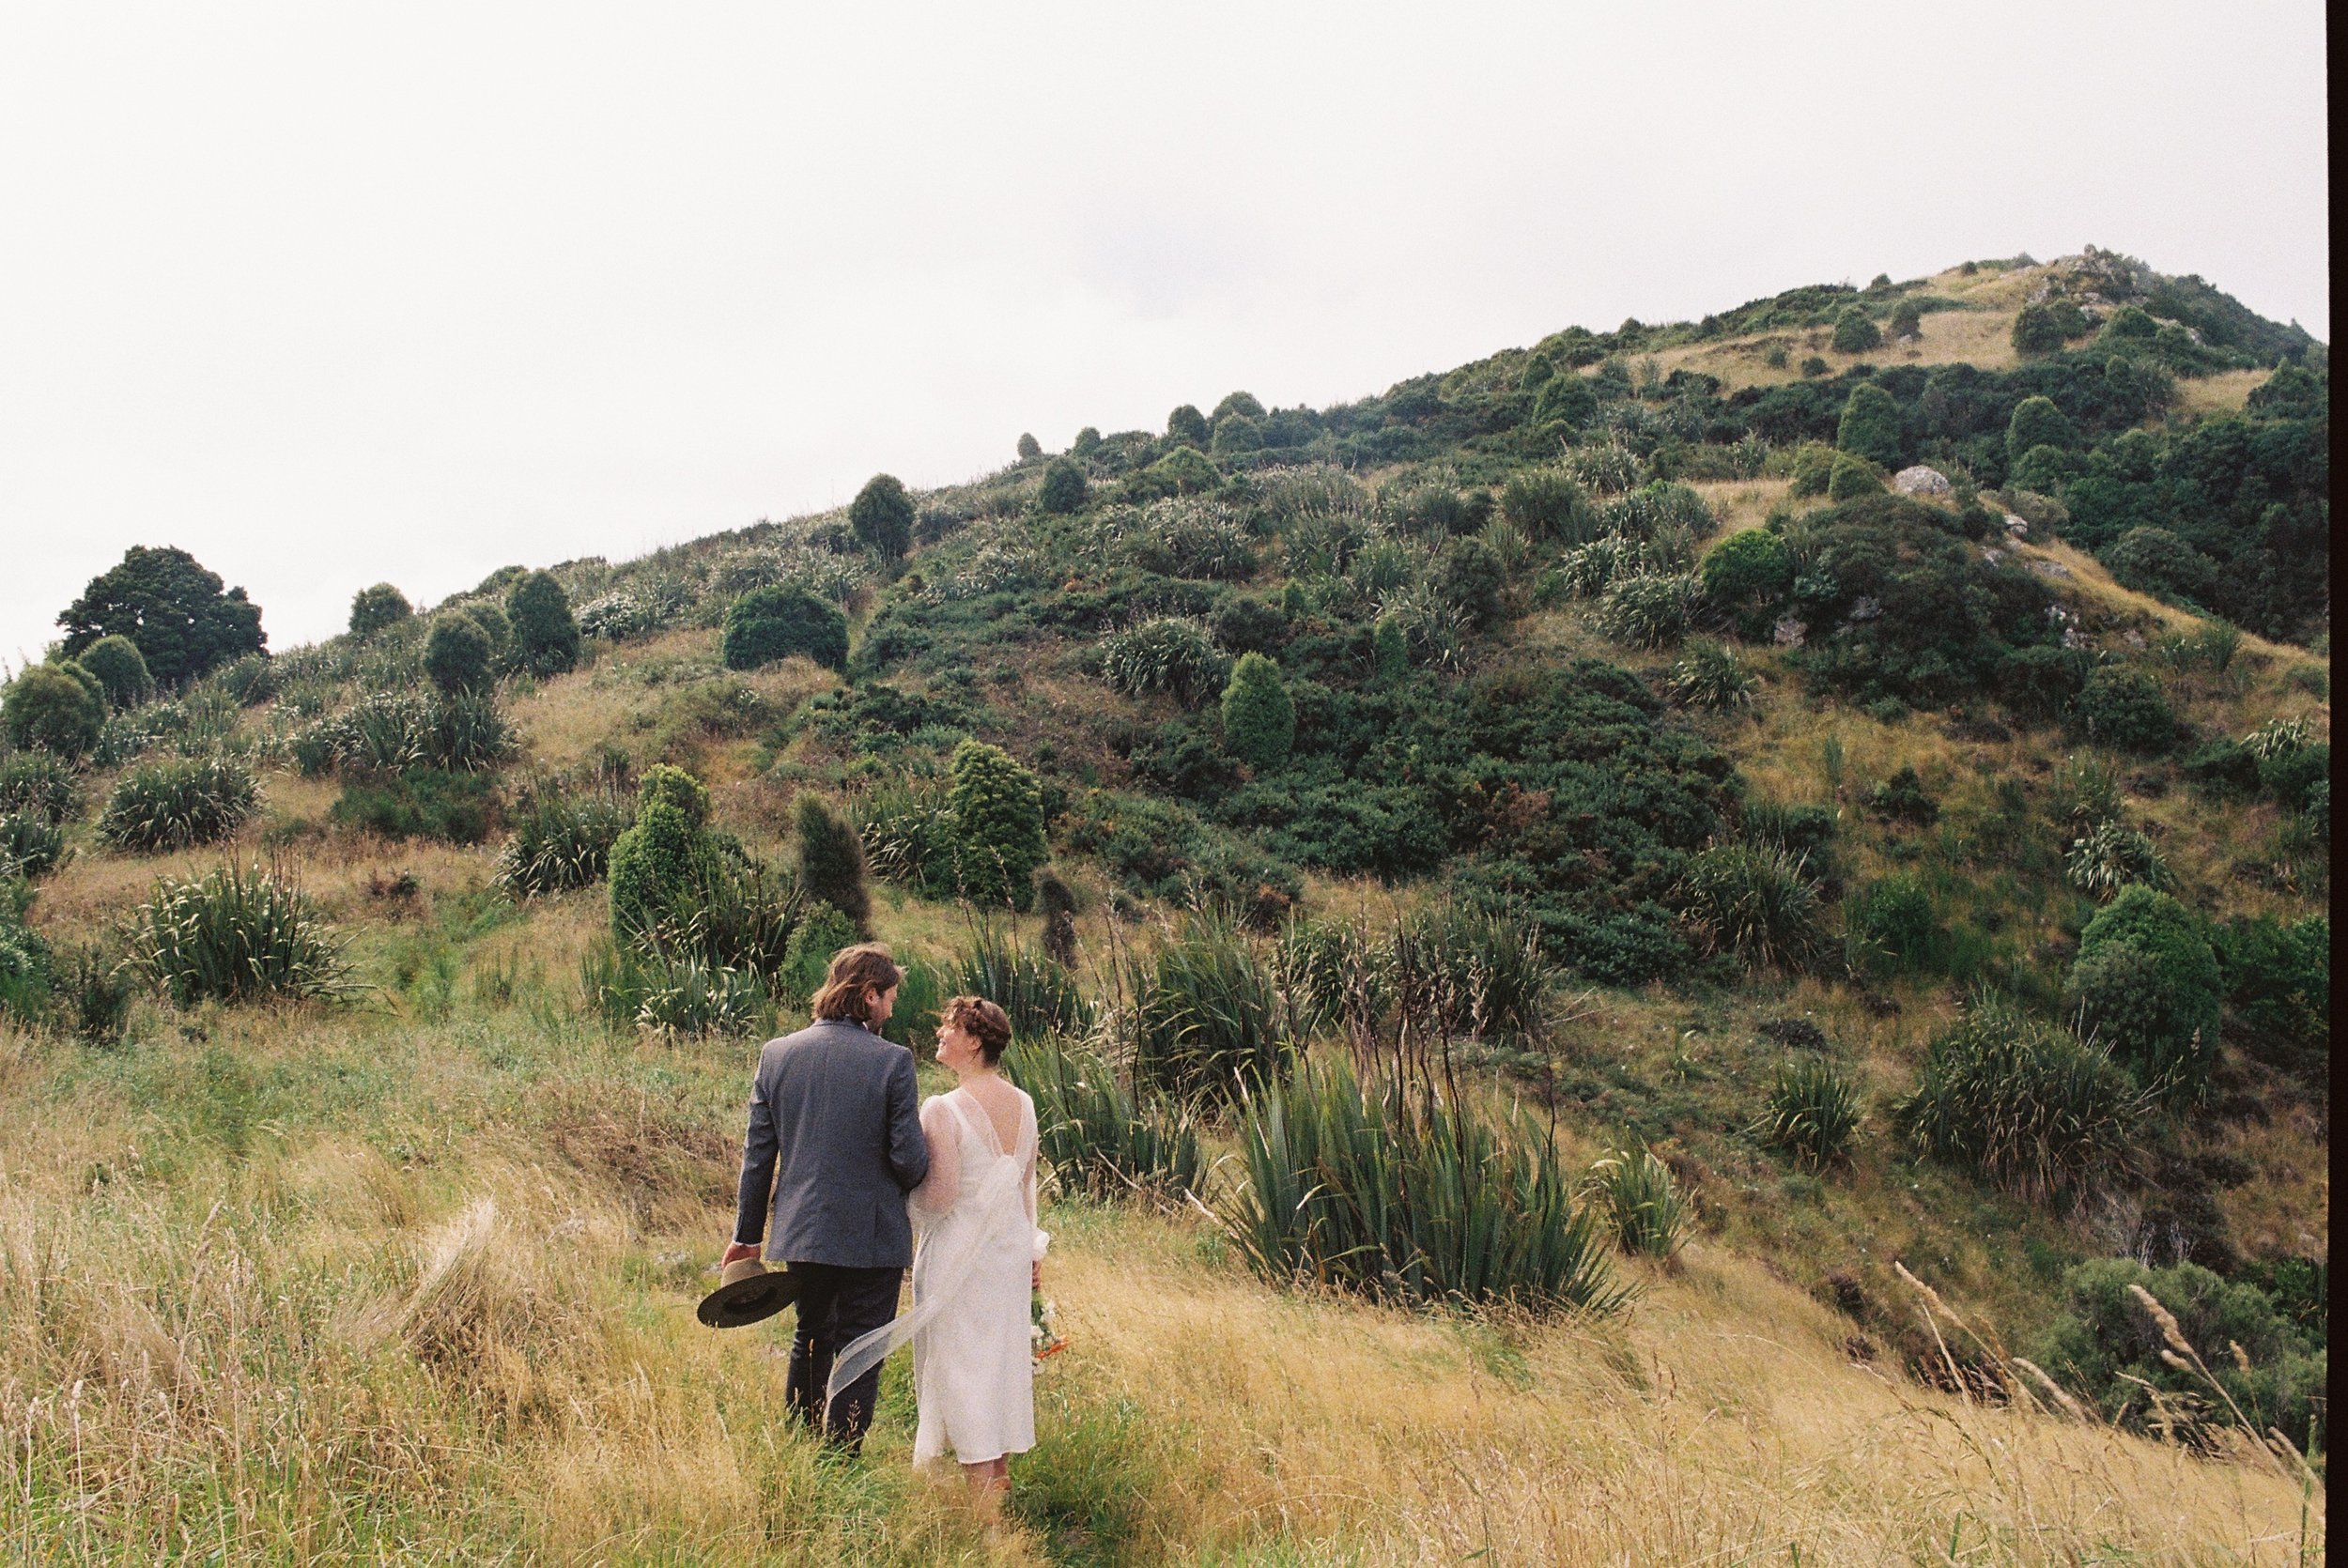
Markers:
835,1137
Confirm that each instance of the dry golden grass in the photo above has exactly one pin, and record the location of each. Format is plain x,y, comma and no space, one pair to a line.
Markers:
2225,393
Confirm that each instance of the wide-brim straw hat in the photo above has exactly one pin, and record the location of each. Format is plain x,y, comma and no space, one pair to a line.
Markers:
748,1292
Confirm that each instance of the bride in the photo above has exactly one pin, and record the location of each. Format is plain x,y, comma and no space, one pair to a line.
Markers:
978,1255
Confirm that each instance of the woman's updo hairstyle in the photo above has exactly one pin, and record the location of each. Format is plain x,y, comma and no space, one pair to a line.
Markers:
982,1020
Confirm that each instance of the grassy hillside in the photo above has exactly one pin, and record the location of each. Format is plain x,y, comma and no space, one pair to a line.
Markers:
1583,745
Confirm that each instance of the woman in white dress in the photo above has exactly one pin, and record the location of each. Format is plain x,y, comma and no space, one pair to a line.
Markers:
977,1257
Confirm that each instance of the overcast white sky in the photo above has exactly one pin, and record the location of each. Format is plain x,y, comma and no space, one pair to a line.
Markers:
330,293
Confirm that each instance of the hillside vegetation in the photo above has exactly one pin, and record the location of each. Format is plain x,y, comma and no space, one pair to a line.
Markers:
1613,970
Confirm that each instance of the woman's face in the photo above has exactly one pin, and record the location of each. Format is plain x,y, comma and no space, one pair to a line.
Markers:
958,1049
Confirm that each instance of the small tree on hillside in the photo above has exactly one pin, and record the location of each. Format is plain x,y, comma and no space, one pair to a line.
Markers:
546,637
494,625
1851,479
2037,422
881,516
120,670
165,601
458,656
1748,568
374,608
2147,986
1259,715
1907,320
54,707
1236,433
1855,331
832,861
1064,489
1536,370
1568,400
1029,447
998,809
1870,427
782,619
1186,426
1088,442
1242,404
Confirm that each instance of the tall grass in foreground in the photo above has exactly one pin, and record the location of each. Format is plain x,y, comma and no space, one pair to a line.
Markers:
235,934
1368,1187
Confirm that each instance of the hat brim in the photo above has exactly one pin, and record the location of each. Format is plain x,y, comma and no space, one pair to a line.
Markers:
751,1300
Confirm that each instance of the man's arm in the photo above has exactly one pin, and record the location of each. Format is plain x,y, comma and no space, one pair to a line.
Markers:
758,1171
908,1152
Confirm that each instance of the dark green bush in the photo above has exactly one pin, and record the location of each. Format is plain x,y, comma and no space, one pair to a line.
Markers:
1536,370
1812,1115
1851,479
2154,561
1903,798
2043,329
173,803
457,655
881,516
2146,985
1235,433
2037,422
1855,331
1030,448
47,706
1891,926
997,812
1870,426
1813,468
1907,321
1566,399
1469,577
2292,776
236,935
546,637
779,620
1186,426
492,619
1259,717
658,864
1813,367
423,802
176,610
2026,1107
2119,705
122,670
1247,625
1549,504
1064,487
2279,983
372,609
831,860
1183,471
1749,569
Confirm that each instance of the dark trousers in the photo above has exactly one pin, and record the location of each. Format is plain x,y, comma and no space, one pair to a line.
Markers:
835,1305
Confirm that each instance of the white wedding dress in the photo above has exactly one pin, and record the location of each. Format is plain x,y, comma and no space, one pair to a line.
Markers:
974,1218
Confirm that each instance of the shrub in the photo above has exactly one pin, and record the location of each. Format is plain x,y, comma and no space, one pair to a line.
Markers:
2293,777
457,655
1208,1023
1411,1198
1870,426
1057,902
1812,1113
1549,504
1186,426
2279,982
560,840
1259,717
1813,468
1468,575
1098,1137
1902,798
40,783
182,801
2039,330
423,802
2147,986
831,860
30,845
654,865
53,707
1183,471
1855,331
1566,399
2035,423
2154,561
120,670
372,609
2109,1345
1641,1204
1711,677
1235,433
1907,321
1064,487
1647,609
234,935
1035,991
1851,479
166,600
1171,654
1030,448
1754,903
1750,568
546,637
675,992
494,625
1247,625
997,810
1891,926
2119,705
1813,367
2026,1107
881,516
775,622
2112,856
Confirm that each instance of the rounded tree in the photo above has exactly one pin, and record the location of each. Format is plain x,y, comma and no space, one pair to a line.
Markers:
546,637
2120,705
374,608
1236,433
1748,567
1855,331
832,861
2037,422
1065,488
881,516
56,708
1907,320
1538,370
1259,715
120,670
779,620
1029,447
457,655
494,625
2148,986
1086,442
1186,426
1242,404
166,600
1851,479
1568,400
998,811
1870,426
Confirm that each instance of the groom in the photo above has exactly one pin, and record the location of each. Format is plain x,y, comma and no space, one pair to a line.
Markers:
835,1134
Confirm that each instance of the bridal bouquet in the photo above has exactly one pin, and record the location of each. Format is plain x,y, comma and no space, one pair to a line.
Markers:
1043,1335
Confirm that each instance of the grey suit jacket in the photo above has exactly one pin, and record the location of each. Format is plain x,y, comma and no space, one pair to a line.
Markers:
836,1134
